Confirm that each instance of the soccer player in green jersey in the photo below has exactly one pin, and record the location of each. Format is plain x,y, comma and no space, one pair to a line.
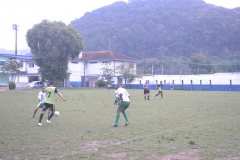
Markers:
160,89
123,104
49,102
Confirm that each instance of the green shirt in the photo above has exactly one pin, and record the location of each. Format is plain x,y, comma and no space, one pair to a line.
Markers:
50,94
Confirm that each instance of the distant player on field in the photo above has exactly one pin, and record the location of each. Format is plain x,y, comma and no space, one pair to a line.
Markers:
109,86
123,104
146,90
41,99
160,89
49,102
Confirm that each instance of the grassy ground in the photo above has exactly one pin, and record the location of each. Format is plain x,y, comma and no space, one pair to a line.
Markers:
184,125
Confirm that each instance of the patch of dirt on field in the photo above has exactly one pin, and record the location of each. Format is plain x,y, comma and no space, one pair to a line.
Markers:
233,158
118,156
184,155
96,144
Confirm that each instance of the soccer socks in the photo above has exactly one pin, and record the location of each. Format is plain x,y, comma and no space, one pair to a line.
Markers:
40,118
48,113
51,115
117,118
148,98
125,116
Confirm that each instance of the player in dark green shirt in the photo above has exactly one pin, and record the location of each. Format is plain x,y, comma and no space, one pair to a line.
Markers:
49,102
160,89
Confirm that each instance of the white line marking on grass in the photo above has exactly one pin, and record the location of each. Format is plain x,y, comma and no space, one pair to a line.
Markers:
131,140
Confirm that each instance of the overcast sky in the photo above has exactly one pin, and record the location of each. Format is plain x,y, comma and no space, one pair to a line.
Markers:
26,13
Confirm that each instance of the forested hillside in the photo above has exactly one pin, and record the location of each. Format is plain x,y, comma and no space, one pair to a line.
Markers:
162,28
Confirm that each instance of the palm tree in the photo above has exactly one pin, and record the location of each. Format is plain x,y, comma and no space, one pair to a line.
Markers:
12,67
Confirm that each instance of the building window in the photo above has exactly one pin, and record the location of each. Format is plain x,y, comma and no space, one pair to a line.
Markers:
106,62
75,62
2,63
92,62
31,65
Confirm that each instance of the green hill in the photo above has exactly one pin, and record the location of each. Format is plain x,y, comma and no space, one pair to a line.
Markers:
160,28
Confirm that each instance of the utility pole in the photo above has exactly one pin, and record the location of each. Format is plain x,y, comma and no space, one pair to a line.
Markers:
109,43
15,27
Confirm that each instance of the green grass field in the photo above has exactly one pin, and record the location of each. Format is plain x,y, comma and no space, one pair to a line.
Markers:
184,125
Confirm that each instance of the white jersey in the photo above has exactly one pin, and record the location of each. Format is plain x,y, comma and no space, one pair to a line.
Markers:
125,95
42,96
116,93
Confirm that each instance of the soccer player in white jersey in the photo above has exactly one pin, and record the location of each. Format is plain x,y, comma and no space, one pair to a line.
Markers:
41,99
123,104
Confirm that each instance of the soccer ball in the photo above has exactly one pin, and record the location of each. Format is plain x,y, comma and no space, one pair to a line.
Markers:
56,113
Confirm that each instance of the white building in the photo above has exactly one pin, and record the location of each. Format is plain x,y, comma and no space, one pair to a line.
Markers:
84,70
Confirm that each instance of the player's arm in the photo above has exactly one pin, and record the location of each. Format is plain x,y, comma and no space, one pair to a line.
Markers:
39,96
60,95
120,98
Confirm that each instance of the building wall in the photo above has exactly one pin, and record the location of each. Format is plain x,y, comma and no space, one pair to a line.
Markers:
76,70
31,67
217,78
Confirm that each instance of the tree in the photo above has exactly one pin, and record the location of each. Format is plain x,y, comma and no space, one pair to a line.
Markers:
107,72
200,63
52,43
128,71
11,66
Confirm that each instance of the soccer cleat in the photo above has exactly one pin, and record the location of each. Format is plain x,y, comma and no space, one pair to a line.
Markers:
114,125
127,123
40,124
48,122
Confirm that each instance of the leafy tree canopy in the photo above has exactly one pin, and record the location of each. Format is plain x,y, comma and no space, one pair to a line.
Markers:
12,67
107,71
128,71
159,28
52,43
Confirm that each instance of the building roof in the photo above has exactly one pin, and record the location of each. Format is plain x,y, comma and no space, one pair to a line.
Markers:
105,55
19,57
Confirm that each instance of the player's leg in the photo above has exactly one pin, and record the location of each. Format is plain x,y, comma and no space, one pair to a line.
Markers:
52,113
162,94
116,119
45,107
144,92
157,94
148,94
35,111
126,105
49,112
40,105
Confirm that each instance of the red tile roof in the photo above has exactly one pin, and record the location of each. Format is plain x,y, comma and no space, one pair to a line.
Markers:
105,55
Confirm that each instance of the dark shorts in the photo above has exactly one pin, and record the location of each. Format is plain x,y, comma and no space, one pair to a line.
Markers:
123,106
46,106
160,91
146,91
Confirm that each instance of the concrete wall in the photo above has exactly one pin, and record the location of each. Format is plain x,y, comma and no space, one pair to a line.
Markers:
217,78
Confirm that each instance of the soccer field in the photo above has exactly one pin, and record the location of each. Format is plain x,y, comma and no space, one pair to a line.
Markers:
184,125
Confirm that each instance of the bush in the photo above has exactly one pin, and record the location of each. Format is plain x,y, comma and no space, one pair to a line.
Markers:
12,86
101,83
